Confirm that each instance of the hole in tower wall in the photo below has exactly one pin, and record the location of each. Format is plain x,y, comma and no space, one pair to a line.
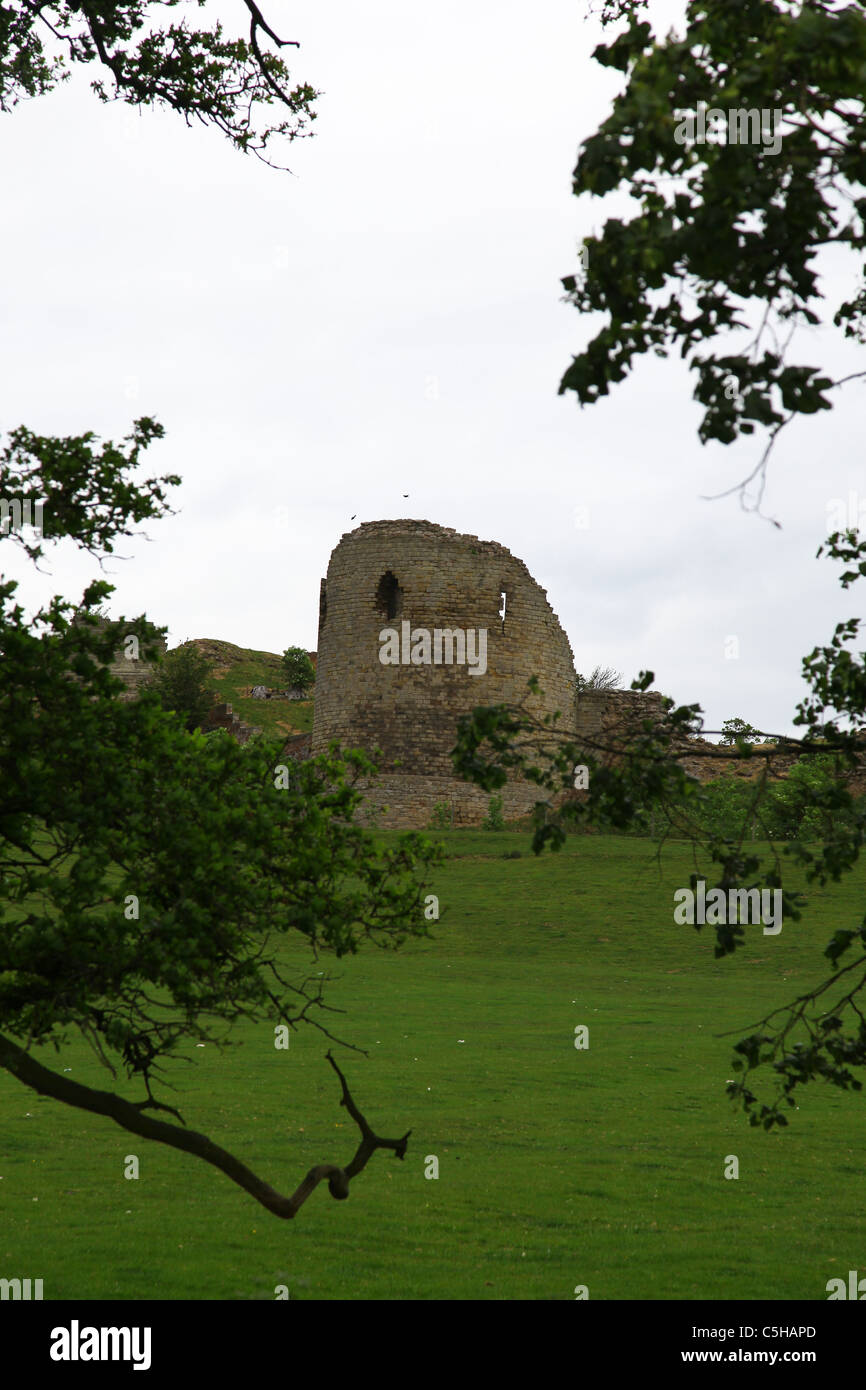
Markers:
503,603
389,596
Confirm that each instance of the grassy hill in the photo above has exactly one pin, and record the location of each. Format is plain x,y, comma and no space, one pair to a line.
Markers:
557,1167
234,672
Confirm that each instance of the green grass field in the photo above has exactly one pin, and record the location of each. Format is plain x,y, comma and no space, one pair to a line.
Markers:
557,1167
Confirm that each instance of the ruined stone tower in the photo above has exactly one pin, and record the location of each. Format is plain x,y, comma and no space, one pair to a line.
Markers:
465,624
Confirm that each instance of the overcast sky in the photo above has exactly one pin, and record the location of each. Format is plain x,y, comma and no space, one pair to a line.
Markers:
388,319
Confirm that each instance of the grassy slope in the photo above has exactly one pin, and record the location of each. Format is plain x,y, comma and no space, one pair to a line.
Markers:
558,1167
235,669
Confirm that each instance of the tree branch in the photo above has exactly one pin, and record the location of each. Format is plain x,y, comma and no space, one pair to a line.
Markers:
370,1142
259,22
130,1117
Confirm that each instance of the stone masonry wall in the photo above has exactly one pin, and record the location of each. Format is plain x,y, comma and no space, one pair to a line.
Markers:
610,716
133,673
389,572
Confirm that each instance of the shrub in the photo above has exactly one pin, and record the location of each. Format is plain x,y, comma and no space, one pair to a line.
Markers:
181,680
298,669
494,819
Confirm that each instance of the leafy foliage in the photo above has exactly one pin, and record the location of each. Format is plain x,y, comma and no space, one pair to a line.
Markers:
494,820
807,804
722,226
739,731
181,684
442,816
147,61
85,489
299,670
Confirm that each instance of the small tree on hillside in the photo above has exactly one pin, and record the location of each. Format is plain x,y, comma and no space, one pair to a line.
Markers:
738,731
298,669
182,682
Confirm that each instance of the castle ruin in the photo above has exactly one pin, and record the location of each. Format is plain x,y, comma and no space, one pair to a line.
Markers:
419,625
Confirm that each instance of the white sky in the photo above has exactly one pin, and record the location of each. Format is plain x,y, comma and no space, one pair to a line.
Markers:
386,320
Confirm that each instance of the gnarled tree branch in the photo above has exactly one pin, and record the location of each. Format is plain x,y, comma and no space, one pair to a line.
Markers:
130,1117
259,22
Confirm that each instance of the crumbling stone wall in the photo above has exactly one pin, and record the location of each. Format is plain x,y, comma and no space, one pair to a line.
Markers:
297,747
607,713
222,716
134,672
387,573
612,716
